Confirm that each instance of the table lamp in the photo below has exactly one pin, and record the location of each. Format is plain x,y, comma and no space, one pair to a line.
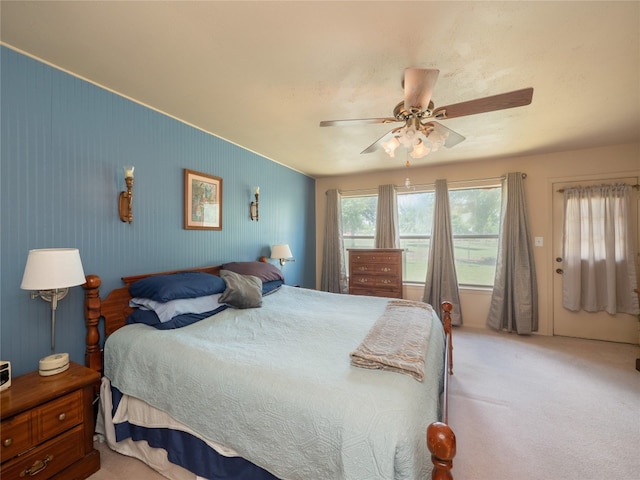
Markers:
49,273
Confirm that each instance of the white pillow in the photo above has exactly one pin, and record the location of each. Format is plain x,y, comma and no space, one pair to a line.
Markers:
167,310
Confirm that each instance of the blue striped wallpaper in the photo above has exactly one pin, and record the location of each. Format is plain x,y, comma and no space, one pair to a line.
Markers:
64,142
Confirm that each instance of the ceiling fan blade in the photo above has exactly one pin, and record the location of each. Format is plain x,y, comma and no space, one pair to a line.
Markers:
517,98
418,87
357,121
378,143
451,138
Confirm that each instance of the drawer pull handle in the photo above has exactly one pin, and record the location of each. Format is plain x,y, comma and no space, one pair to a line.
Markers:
37,467
62,417
385,269
7,442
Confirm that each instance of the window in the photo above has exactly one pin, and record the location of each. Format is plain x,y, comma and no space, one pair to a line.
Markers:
359,221
475,220
415,219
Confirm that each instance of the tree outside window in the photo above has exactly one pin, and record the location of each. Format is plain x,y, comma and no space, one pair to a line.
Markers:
475,220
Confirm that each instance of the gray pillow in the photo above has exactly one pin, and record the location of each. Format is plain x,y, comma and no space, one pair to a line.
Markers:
243,291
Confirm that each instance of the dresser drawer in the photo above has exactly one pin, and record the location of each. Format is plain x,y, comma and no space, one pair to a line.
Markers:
57,416
376,269
15,435
47,459
384,258
375,281
376,292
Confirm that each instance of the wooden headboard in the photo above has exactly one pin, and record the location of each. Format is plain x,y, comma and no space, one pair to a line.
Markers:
114,309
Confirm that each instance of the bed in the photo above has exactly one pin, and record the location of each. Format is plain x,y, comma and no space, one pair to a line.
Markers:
273,392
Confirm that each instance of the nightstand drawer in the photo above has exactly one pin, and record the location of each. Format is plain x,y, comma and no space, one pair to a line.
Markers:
15,435
47,459
57,416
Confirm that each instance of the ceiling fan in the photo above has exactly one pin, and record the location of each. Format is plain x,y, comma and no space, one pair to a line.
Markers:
420,131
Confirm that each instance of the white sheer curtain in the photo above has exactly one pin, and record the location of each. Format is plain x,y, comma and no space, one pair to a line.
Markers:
387,230
598,263
334,274
442,281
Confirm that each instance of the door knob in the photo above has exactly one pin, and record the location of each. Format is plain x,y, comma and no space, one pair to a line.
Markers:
558,259
559,270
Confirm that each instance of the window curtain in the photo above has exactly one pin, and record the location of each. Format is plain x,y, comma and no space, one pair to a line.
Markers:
334,275
441,283
514,302
598,259
387,230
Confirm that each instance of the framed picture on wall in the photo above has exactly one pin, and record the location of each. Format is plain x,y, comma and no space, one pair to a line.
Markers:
202,201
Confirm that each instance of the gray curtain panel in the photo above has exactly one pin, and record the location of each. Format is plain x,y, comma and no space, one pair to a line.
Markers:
334,274
514,302
387,230
441,283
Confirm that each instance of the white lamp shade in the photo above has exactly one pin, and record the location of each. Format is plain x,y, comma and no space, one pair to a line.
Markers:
281,251
51,268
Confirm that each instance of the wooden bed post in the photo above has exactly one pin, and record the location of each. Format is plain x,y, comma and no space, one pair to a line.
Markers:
442,445
92,354
447,307
441,440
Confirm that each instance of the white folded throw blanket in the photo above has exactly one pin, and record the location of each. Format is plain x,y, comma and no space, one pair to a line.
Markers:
398,340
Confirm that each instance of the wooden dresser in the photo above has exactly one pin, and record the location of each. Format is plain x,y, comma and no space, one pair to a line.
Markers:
376,272
47,426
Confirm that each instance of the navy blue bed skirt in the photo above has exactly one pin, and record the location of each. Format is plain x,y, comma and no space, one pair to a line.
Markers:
190,452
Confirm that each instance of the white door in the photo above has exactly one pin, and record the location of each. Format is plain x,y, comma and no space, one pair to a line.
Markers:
621,327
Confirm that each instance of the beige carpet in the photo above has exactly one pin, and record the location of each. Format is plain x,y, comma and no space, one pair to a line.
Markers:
524,408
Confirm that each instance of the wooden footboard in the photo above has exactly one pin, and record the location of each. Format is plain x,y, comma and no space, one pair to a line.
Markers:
114,309
441,440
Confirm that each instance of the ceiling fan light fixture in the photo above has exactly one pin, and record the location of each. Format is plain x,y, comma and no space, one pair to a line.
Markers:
409,136
437,138
420,149
390,146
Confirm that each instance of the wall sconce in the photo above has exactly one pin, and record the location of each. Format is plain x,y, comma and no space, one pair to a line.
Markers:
48,273
253,208
125,203
283,252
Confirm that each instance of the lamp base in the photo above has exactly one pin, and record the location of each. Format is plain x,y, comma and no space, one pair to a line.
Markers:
53,364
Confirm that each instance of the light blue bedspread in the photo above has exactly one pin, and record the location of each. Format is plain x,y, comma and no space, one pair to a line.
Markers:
276,385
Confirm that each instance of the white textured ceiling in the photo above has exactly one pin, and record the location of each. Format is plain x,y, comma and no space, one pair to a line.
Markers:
264,74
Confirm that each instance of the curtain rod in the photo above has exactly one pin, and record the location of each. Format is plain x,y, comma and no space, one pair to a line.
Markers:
636,186
524,175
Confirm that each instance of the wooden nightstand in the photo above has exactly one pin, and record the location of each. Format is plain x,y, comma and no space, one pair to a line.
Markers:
47,426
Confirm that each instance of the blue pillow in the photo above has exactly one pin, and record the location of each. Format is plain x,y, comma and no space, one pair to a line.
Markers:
149,317
167,310
270,287
172,286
